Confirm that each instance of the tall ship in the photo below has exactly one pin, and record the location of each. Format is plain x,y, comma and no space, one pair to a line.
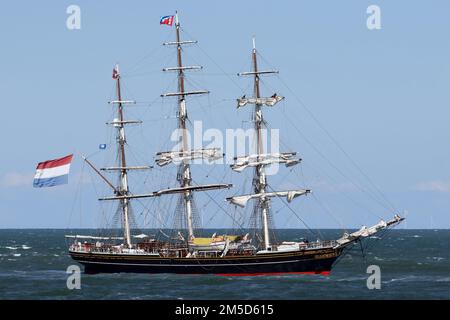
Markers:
253,252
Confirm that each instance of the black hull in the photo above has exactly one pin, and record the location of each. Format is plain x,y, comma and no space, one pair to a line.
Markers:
299,262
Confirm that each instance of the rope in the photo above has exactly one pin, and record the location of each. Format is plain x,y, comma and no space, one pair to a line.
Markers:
215,63
319,124
296,215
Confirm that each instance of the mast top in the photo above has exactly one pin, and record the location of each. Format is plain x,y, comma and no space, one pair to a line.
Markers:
116,73
177,22
254,43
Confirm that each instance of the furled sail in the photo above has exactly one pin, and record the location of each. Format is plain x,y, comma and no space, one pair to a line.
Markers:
288,158
365,231
205,187
270,101
166,157
290,195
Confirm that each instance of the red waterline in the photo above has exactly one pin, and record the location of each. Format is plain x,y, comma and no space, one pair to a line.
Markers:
322,273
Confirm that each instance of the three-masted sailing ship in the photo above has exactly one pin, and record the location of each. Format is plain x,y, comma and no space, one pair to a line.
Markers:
224,254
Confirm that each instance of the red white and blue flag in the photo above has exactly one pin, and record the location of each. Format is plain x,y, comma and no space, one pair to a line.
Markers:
166,20
52,172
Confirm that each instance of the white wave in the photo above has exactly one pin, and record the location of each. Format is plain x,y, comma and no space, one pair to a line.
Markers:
25,247
438,258
443,280
417,236
410,278
17,254
12,248
355,278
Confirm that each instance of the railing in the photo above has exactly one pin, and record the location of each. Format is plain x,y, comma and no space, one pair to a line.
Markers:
166,250
321,244
163,249
94,249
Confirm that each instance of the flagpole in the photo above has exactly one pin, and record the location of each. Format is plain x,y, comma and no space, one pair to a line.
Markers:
177,22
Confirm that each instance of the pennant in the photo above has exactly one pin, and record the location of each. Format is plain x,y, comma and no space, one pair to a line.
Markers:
168,20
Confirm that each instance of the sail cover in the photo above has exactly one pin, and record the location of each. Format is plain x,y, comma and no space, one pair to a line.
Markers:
290,195
288,158
270,102
166,157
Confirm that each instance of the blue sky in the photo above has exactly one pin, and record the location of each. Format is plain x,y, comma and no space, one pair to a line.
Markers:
382,94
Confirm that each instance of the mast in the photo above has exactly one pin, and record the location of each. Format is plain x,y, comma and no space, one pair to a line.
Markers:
260,180
260,160
185,170
123,188
121,192
184,154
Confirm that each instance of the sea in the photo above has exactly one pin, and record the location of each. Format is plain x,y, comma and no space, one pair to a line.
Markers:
413,264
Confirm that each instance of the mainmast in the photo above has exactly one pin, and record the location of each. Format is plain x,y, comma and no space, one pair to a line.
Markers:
260,160
184,155
184,170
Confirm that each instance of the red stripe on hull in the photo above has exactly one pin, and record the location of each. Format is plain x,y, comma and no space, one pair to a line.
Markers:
55,162
322,273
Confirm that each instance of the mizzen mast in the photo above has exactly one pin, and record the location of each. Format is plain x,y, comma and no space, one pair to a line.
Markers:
260,180
260,159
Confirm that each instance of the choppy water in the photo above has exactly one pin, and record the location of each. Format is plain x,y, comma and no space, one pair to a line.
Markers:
415,264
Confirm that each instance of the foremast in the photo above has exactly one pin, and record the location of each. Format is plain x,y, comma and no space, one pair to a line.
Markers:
123,187
122,191
260,159
184,155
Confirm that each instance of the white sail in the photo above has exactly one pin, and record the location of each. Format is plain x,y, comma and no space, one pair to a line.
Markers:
290,195
288,158
270,101
167,157
365,232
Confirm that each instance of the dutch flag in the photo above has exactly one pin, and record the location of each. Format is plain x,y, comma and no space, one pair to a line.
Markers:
52,172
